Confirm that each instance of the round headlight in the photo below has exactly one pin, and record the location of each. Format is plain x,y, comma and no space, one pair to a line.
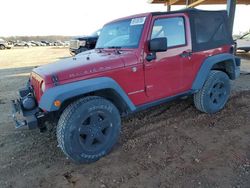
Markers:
43,87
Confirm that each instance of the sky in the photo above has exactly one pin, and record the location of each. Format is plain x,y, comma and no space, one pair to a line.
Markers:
82,17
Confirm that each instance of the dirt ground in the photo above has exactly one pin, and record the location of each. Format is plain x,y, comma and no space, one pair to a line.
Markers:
172,145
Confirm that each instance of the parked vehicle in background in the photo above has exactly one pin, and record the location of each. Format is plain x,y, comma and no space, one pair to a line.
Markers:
19,43
243,43
139,62
47,43
58,43
23,44
35,43
42,44
81,44
66,43
5,45
30,44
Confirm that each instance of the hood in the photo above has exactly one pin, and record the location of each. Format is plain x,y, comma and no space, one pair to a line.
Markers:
86,63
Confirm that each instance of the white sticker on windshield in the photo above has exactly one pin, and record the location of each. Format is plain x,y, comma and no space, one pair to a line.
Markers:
138,21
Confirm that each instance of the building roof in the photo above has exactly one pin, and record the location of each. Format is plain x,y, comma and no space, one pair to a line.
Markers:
193,3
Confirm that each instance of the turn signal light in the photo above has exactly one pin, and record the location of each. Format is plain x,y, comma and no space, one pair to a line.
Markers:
57,103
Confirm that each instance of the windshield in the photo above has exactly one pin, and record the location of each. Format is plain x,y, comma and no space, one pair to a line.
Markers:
121,34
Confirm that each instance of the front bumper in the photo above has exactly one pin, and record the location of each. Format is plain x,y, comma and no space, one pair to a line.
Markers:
77,51
23,117
72,52
18,115
9,46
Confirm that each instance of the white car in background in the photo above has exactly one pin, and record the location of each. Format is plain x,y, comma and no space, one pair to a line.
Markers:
5,45
243,43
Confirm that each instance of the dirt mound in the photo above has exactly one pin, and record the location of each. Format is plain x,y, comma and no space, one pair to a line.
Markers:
172,145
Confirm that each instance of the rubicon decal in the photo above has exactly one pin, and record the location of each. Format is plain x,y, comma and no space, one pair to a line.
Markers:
90,71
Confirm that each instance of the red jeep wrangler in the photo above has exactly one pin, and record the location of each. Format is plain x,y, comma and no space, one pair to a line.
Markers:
139,61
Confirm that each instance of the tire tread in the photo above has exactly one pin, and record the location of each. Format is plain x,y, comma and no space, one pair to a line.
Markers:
62,123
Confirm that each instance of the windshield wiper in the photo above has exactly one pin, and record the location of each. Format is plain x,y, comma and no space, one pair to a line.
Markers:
117,48
99,49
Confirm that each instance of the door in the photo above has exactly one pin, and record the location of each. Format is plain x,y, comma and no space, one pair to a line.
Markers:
164,76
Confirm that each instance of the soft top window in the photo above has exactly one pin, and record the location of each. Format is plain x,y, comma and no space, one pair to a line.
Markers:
209,29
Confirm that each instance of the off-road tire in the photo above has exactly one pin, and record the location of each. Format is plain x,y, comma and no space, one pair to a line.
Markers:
2,47
214,94
82,123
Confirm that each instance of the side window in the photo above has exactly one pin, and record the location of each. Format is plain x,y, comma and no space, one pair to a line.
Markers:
172,28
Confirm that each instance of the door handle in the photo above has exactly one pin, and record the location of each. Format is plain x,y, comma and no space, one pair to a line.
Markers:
186,54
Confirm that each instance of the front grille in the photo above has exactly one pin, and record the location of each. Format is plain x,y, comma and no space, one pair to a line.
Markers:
36,83
74,44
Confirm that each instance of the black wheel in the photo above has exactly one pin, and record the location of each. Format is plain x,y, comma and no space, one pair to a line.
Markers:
214,94
2,47
88,129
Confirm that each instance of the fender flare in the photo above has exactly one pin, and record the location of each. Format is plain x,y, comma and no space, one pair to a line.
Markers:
74,89
209,62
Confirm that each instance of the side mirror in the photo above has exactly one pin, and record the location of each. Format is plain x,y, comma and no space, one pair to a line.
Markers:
158,45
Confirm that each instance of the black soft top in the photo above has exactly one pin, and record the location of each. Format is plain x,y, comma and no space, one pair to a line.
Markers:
209,29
